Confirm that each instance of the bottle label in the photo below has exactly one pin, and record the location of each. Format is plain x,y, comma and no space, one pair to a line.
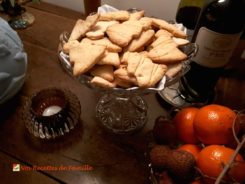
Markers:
214,49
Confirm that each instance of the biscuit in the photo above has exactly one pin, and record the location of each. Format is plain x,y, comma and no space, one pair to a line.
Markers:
103,71
180,41
99,81
136,15
122,83
84,59
117,15
163,32
173,56
124,58
138,44
162,24
92,19
81,27
157,74
173,70
135,26
70,44
133,62
79,30
138,66
99,29
122,49
166,54
104,42
95,35
143,73
161,40
122,34
110,58
122,74
146,23
144,53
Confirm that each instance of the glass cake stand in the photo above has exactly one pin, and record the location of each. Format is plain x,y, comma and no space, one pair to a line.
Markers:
172,92
120,110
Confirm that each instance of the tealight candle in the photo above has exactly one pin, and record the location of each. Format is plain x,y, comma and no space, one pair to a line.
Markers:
51,110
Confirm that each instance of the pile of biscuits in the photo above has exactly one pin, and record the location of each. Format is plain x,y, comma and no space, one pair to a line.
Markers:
122,49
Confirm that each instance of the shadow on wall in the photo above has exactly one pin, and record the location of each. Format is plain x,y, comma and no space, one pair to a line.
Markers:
165,9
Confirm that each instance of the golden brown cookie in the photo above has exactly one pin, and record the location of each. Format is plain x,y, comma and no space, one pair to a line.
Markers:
166,54
138,44
180,41
146,22
157,74
173,69
163,32
103,71
104,42
122,34
162,24
136,15
161,40
84,59
70,44
134,60
143,73
122,73
110,58
117,15
99,81
122,83
99,29
82,27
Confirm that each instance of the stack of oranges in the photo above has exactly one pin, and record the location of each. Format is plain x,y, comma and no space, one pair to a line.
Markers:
210,126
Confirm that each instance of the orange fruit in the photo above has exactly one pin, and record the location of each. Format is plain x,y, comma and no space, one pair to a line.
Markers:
183,121
211,161
213,124
191,148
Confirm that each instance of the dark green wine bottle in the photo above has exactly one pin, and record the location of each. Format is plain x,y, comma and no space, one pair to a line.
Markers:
188,13
217,33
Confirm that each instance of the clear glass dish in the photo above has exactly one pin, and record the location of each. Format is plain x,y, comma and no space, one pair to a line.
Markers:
189,49
133,109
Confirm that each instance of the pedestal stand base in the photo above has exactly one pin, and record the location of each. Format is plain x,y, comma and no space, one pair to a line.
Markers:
122,114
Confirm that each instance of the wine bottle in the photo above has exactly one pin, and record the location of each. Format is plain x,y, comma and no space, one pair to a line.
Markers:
217,32
188,13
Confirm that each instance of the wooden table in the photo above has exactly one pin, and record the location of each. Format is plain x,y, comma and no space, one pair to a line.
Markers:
115,159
